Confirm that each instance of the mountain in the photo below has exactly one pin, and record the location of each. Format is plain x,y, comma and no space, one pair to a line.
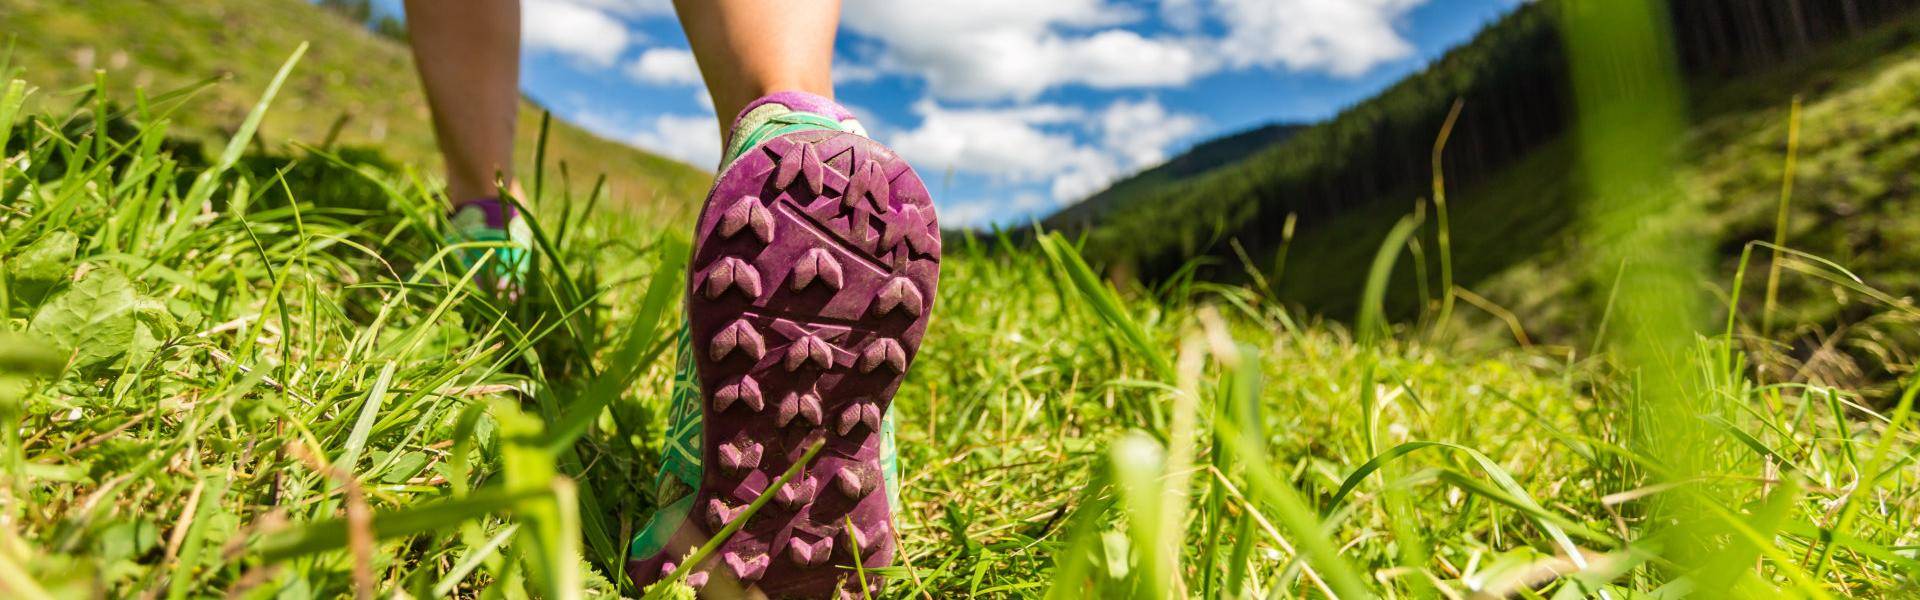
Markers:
1203,157
1370,163
1376,151
353,88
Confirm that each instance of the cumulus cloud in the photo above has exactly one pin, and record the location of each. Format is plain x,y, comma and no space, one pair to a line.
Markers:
1009,143
992,49
1342,37
574,28
1018,49
848,71
1072,186
967,214
690,138
631,8
1184,15
1141,132
1042,143
665,66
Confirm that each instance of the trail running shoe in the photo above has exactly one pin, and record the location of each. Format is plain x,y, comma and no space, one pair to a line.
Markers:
491,220
814,266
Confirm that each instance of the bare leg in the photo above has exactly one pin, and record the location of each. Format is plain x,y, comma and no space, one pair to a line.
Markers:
751,48
468,53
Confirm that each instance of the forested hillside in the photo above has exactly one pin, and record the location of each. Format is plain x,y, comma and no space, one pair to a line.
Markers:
1203,157
1373,160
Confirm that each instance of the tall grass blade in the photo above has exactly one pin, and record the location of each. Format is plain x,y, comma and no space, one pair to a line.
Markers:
11,102
472,560
1073,559
1105,303
369,410
190,550
1780,216
1511,491
1138,463
551,554
1444,235
644,341
204,184
699,557
1870,481
331,534
1370,323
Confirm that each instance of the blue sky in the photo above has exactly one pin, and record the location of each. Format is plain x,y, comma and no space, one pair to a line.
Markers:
1011,108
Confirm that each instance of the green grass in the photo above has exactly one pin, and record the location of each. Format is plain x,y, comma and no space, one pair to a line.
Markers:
1518,242
1850,203
355,89
1519,246
230,382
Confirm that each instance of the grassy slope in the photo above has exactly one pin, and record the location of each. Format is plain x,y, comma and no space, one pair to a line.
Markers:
1514,225
195,437
188,386
1852,204
1515,235
1373,153
369,80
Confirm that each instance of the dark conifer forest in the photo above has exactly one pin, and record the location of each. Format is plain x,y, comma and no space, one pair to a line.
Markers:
1510,81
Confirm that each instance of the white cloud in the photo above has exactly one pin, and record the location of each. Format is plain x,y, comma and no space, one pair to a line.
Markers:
574,28
967,214
1140,133
847,71
982,213
1036,143
1017,49
665,66
631,8
1342,37
1005,142
1184,15
1117,58
1073,186
993,49
1027,201
693,139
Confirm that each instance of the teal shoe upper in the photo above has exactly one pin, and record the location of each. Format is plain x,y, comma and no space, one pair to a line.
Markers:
489,220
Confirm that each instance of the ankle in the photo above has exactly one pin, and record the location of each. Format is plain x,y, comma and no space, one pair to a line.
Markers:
463,196
464,190
817,101
783,111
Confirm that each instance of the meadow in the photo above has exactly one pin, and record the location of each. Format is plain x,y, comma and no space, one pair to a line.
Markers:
258,375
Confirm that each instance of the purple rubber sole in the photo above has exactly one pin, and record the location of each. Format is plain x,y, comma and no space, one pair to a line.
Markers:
812,280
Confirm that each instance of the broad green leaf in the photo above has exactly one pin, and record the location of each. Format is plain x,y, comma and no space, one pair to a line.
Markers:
93,320
46,260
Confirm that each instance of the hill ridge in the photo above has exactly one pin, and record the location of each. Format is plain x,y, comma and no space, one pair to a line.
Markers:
1511,79
354,87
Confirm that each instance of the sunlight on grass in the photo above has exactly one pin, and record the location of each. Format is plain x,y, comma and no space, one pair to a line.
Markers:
263,378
